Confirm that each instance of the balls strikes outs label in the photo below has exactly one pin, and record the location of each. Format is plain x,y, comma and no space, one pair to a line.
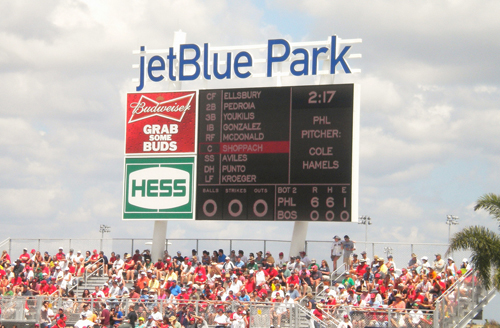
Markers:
161,123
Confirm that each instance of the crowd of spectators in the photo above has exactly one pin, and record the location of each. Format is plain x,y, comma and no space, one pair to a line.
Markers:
162,292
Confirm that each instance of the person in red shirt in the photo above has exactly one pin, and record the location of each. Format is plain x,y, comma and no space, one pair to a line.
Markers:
361,268
129,268
271,273
25,257
200,279
5,258
200,268
94,261
261,292
61,258
293,280
250,283
60,323
159,267
183,295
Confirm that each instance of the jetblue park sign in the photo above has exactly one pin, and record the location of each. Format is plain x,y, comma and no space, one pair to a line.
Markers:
190,62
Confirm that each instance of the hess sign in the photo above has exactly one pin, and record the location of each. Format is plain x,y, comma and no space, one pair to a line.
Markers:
161,123
159,188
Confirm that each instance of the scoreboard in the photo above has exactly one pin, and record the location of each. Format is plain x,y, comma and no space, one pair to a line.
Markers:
278,153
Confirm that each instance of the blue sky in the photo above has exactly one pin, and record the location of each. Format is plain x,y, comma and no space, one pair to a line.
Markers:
429,143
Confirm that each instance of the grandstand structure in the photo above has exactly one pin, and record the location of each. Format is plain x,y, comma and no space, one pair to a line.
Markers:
327,304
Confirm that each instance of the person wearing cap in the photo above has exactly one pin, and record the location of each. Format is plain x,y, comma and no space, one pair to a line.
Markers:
61,258
361,268
227,265
348,247
415,316
142,280
141,323
293,292
346,323
398,303
365,257
251,265
336,251
439,264
414,262
269,258
25,257
84,321
465,266
79,258
451,268
129,268
390,264
66,281
259,257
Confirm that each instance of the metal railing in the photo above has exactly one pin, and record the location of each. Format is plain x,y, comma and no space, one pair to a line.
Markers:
461,301
28,309
387,317
314,248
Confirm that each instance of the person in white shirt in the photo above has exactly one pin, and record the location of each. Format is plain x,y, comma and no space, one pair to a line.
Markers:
83,322
238,318
260,276
78,258
278,292
235,284
336,251
414,316
346,323
156,314
118,266
221,319
70,257
228,265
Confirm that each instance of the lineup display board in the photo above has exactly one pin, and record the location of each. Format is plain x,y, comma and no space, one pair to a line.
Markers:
280,153
161,123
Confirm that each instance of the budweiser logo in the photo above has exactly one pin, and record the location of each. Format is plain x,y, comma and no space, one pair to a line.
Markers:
173,109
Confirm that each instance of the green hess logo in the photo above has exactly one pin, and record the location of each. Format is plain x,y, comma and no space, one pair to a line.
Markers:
159,188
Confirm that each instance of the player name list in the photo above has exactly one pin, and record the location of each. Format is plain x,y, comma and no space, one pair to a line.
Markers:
282,153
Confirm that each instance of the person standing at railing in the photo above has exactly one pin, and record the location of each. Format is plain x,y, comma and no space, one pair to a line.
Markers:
348,247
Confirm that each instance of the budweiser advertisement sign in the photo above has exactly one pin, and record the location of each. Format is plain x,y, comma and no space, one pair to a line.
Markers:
161,123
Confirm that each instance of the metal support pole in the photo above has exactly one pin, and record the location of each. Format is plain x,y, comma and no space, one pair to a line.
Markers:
265,247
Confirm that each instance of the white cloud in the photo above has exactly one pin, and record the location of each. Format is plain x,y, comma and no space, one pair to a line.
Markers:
429,107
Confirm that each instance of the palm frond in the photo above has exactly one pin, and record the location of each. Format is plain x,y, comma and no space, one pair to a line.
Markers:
485,247
490,203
